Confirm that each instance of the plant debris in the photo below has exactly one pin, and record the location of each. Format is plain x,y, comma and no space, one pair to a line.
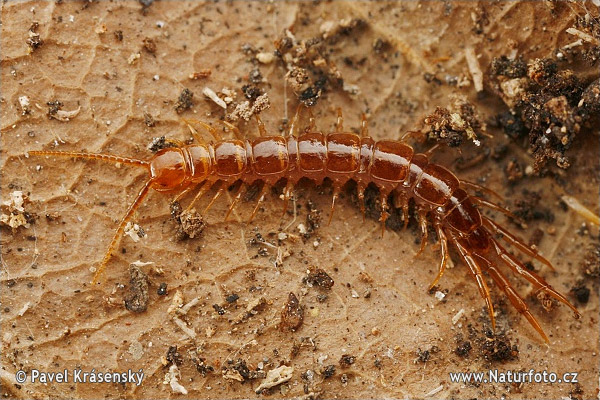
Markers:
275,377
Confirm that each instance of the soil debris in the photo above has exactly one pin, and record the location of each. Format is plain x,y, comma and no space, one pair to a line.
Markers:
292,315
185,101
137,300
318,277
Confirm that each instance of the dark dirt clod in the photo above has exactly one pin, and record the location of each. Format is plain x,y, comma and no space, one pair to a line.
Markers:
202,366
137,300
162,289
463,348
232,298
347,360
529,207
185,101
292,315
173,356
498,348
582,293
119,35
425,355
510,68
590,266
553,106
54,106
251,92
328,371
159,143
149,45
318,277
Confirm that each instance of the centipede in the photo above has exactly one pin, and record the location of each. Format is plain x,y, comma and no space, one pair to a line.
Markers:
440,199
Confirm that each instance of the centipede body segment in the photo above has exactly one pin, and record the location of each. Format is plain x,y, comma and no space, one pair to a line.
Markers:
393,166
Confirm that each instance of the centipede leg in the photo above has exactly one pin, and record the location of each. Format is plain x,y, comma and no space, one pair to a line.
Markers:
336,192
220,191
360,189
203,189
236,198
117,237
293,131
516,300
213,132
287,193
496,207
475,270
432,150
184,192
424,231
444,245
364,129
234,129
515,241
339,125
261,126
475,186
311,121
261,197
384,210
537,281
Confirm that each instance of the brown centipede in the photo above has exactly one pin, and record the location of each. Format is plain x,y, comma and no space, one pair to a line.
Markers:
391,165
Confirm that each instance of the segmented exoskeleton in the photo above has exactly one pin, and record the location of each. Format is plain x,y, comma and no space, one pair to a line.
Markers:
440,197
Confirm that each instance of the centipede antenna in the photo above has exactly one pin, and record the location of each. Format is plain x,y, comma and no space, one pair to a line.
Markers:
91,156
364,128
339,125
119,233
234,129
261,126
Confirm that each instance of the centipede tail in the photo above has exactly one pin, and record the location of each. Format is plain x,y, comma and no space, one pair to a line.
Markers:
440,198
